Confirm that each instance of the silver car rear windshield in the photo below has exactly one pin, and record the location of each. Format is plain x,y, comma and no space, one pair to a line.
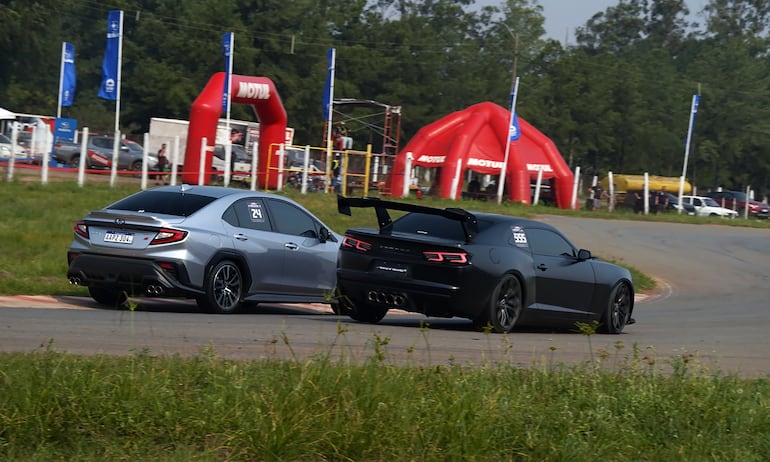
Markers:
163,202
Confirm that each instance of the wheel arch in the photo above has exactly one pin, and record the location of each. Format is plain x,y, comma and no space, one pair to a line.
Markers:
236,258
527,285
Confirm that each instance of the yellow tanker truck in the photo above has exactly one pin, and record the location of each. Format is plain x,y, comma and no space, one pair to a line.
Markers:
624,183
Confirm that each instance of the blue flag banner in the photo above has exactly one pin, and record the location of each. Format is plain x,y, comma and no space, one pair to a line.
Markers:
109,87
695,103
68,77
515,133
227,51
326,101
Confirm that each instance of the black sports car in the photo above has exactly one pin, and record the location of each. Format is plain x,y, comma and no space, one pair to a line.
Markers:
499,271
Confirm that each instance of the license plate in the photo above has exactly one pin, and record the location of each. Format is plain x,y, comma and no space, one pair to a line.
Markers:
119,238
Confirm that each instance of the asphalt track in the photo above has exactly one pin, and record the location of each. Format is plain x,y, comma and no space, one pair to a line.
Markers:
711,312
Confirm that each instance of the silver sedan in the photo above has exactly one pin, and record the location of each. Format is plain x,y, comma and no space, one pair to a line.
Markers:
221,246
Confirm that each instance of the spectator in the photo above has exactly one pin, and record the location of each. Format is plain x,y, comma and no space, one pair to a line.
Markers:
474,188
638,203
336,173
162,165
660,200
597,194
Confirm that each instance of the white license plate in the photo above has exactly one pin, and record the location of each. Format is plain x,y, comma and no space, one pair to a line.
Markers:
119,238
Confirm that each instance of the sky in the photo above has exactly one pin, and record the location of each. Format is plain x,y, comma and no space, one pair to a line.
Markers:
562,17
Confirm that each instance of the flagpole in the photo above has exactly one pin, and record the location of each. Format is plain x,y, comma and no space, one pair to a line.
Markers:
329,113
116,141
693,112
504,169
61,78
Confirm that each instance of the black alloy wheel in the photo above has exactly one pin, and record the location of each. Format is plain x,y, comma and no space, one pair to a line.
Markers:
505,305
618,309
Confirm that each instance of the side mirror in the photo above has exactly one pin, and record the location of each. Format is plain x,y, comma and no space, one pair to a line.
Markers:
584,254
323,234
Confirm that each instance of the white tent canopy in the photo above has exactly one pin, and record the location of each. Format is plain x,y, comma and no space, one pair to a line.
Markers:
6,114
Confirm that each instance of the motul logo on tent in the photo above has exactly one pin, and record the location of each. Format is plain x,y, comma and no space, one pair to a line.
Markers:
251,90
472,162
538,167
432,159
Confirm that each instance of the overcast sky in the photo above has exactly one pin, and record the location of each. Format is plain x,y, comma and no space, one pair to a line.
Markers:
563,16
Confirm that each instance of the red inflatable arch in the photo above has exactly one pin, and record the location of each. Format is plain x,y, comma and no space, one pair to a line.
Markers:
475,138
206,110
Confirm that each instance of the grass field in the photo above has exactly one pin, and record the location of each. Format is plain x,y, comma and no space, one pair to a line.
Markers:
618,406
55,406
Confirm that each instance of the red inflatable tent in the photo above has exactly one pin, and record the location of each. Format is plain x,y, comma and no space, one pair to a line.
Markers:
260,92
475,139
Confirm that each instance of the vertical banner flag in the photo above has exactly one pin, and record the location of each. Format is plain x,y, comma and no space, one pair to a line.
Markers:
109,87
68,75
694,110
227,51
693,113
514,132
329,88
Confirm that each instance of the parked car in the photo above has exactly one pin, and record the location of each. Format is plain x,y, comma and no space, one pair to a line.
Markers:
295,160
672,202
707,207
736,200
497,270
99,151
240,162
7,147
221,246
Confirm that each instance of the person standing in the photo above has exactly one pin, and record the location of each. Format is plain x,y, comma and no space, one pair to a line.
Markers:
336,173
661,200
638,203
474,188
597,194
162,165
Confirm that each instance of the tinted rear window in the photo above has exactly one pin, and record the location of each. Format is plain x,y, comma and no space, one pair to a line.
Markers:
429,225
163,202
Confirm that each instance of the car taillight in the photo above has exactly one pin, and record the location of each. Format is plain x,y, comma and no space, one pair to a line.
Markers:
459,258
357,244
81,229
167,236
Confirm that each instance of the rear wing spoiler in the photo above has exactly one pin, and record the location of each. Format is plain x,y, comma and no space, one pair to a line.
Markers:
381,207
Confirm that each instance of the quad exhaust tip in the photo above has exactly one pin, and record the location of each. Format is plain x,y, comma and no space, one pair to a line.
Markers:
386,298
75,281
